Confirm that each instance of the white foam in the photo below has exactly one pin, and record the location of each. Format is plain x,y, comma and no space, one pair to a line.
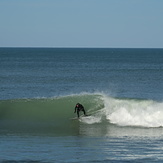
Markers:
128,112
90,119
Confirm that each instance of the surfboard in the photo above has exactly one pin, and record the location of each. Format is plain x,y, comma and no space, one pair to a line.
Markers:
82,116
75,118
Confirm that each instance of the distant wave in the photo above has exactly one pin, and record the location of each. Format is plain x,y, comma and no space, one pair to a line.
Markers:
42,114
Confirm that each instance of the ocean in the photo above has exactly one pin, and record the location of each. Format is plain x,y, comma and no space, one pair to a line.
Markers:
121,90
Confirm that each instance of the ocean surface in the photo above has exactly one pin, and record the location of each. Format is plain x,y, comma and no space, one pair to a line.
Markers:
122,90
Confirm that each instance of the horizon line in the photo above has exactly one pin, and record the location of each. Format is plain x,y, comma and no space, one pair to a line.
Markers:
80,47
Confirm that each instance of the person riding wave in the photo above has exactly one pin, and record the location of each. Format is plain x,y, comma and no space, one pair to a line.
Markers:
79,107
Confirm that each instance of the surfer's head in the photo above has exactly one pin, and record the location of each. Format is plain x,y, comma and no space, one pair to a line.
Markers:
77,105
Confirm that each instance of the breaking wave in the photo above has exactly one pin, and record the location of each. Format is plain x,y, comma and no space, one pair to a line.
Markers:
54,114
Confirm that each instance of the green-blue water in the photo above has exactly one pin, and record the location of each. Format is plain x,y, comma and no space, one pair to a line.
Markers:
120,88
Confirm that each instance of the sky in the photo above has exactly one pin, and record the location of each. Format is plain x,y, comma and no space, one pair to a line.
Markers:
81,23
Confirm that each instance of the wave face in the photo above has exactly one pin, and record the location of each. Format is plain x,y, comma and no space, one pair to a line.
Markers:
54,114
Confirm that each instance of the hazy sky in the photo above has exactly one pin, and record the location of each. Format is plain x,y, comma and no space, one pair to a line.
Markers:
81,23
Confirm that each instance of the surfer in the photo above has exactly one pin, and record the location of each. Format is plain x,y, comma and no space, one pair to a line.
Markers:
78,108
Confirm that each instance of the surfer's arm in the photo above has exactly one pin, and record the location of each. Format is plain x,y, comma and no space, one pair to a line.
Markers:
75,110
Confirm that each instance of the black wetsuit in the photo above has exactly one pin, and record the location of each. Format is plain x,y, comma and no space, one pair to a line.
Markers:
79,108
